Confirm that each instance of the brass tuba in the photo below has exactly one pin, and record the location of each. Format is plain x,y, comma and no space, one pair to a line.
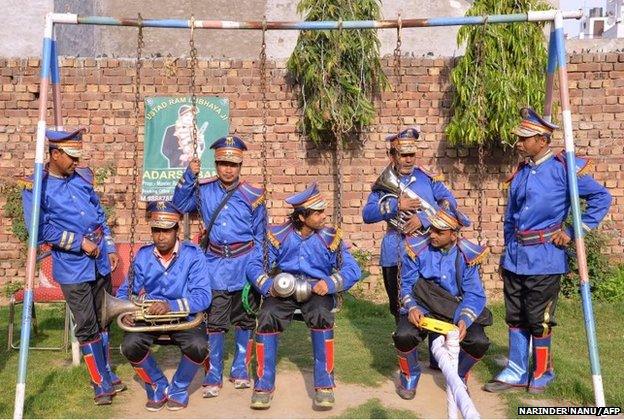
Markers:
171,321
390,183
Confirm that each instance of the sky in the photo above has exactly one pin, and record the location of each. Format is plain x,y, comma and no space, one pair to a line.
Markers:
572,27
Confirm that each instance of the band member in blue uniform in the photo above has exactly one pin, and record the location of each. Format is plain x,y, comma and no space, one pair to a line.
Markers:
313,252
83,252
382,206
174,275
440,279
233,213
534,258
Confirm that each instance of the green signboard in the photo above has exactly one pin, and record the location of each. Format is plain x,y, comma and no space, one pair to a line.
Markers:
169,140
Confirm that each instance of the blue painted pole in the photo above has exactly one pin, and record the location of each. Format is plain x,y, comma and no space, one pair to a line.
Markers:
33,223
588,313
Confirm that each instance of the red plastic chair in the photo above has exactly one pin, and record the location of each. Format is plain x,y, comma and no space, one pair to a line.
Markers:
49,291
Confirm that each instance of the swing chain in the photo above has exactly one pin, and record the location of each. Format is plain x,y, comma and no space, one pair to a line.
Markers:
192,88
481,193
397,91
193,63
135,149
398,76
263,149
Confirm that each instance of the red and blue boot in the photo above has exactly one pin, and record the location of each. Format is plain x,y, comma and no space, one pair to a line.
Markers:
266,356
543,372
118,386
93,354
323,348
177,392
214,375
154,380
516,373
409,375
464,365
243,350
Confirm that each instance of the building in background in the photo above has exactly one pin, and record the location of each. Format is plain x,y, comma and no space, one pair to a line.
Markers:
604,22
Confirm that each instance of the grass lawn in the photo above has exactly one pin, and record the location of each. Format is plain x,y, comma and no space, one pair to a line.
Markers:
364,355
573,381
373,409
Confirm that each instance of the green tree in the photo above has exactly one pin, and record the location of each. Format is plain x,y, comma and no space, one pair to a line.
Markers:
503,69
338,72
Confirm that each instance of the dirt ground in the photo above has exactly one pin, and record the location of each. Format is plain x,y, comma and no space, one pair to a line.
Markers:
293,399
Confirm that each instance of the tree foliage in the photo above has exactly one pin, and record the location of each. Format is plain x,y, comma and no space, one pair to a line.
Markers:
338,72
504,69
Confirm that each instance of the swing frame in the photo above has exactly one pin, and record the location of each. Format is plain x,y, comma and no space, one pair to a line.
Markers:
50,78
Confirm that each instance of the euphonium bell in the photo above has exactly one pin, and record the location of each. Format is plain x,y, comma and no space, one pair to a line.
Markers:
171,321
390,183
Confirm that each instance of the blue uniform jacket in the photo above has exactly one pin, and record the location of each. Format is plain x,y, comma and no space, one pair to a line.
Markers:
378,208
313,257
70,210
242,219
539,199
184,284
423,261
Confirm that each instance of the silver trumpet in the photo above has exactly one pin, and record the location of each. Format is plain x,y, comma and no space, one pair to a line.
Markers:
390,183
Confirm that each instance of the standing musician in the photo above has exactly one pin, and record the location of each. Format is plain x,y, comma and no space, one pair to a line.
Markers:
174,277
83,252
233,213
534,258
313,252
383,205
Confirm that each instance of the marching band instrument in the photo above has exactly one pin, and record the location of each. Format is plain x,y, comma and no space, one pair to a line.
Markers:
390,183
120,308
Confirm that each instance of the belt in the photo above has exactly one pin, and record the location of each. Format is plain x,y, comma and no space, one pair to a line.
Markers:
96,235
232,250
536,237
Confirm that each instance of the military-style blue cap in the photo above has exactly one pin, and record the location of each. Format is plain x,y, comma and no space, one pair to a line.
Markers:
163,214
405,141
449,219
68,141
229,149
310,198
533,124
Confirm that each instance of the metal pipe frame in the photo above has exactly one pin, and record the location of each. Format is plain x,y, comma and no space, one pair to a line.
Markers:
50,76
532,16
568,136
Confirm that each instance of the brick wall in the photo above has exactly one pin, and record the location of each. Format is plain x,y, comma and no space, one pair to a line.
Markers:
98,93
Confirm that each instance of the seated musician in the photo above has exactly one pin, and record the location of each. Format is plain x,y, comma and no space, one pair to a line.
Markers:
440,279
173,274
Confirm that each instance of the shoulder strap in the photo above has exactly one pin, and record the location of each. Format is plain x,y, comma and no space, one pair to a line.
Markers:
216,213
458,273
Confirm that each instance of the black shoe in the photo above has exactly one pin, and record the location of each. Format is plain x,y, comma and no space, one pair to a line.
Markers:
497,387
151,405
103,400
119,386
536,391
406,394
324,398
261,400
173,405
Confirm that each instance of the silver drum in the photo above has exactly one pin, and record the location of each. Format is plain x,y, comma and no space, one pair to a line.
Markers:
284,284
